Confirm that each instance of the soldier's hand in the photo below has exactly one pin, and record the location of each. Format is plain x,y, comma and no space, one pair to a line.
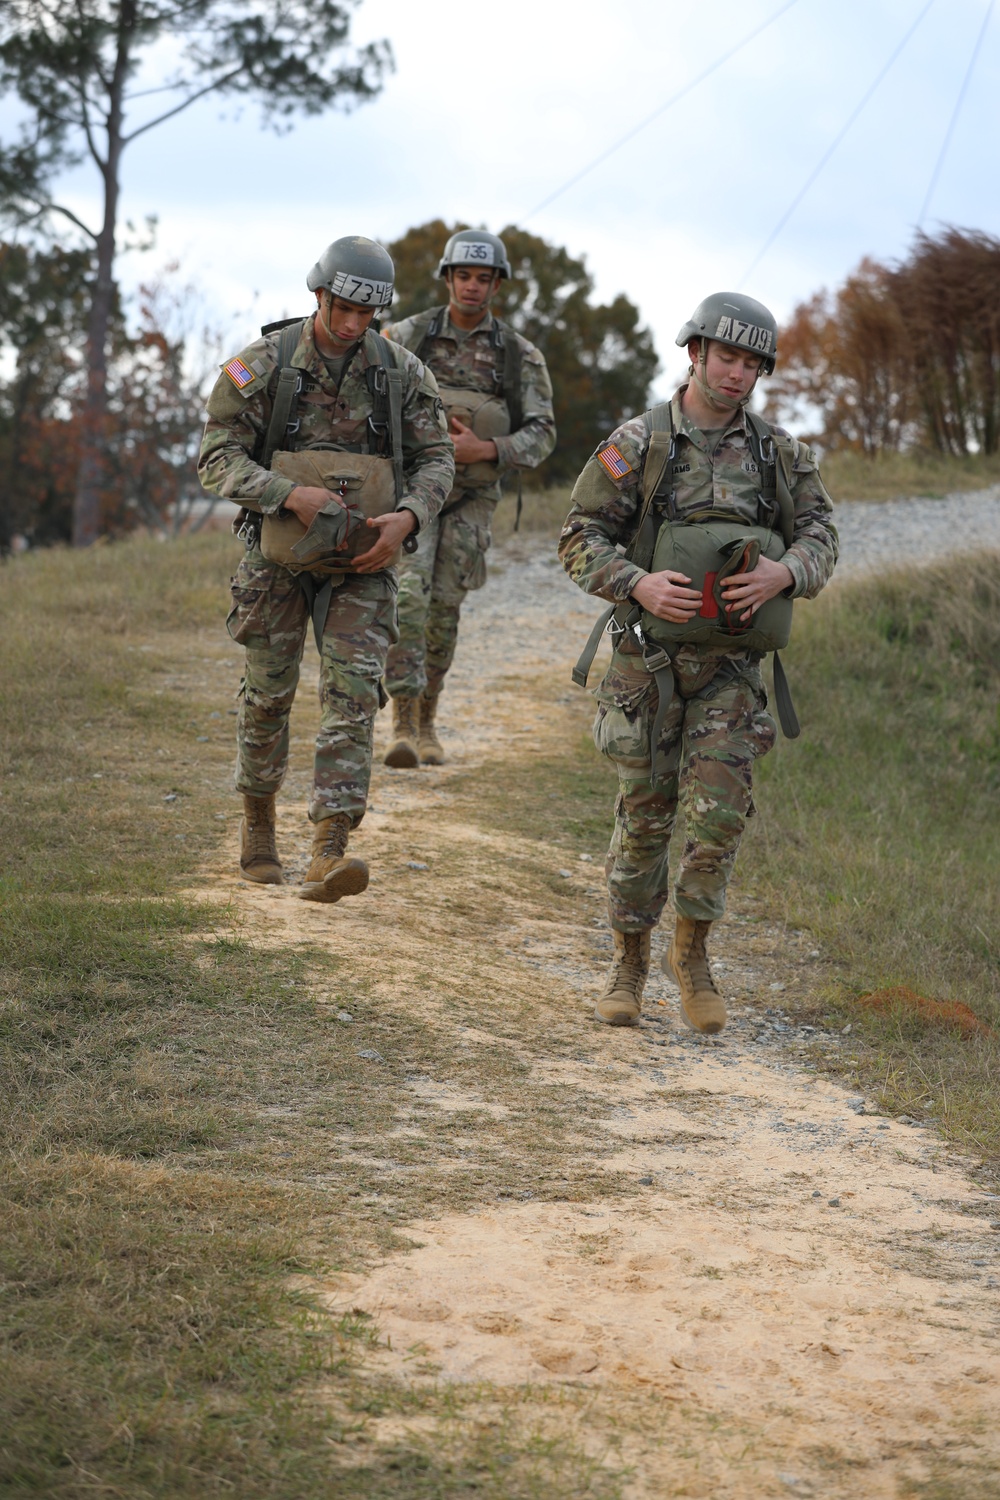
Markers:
665,596
392,531
470,449
307,500
744,593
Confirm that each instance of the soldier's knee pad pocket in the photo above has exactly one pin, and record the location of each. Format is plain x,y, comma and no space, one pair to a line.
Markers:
624,718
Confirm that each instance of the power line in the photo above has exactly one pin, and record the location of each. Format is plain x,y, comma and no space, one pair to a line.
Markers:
955,113
831,149
630,135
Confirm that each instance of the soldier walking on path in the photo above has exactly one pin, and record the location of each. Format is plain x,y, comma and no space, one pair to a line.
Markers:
724,520
335,444
498,397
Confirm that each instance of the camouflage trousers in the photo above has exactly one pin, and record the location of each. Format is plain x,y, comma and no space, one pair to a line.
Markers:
715,728
270,619
449,562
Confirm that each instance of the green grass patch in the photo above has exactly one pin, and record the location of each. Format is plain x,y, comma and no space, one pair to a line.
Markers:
878,827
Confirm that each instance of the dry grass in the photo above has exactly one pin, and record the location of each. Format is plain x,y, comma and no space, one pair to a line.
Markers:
892,476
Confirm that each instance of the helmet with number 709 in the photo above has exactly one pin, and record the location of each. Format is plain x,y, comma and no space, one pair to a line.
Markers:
356,270
730,318
476,249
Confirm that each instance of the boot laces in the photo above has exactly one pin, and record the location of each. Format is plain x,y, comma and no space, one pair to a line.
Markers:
407,717
629,964
696,960
260,835
334,838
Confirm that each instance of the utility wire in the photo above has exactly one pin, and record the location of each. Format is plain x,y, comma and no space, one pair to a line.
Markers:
830,150
955,114
674,99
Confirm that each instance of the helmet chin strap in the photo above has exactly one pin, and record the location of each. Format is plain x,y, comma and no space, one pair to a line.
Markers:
717,400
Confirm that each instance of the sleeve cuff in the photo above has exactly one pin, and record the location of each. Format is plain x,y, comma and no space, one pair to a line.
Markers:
275,492
418,509
795,567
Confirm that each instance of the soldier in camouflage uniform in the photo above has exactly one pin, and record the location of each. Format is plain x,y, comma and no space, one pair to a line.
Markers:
466,347
272,605
716,724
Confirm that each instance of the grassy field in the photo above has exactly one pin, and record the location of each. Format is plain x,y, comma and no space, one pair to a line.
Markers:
159,1190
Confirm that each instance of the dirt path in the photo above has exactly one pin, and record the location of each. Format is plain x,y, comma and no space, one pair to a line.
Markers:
784,1294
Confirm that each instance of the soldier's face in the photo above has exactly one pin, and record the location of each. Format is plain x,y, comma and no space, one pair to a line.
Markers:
344,322
732,371
471,288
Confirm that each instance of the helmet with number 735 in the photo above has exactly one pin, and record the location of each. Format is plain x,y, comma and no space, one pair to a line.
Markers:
477,249
731,318
356,270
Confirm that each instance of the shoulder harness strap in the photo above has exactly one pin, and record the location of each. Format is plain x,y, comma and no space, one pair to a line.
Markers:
431,322
505,338
285,386
773,450
385,385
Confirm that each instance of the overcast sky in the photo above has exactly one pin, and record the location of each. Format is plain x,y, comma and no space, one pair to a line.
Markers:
492,109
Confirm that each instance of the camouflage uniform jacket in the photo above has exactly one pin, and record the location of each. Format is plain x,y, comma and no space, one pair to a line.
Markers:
469,361
238,419
708,474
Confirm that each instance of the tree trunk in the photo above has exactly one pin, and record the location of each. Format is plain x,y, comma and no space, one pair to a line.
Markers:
94,434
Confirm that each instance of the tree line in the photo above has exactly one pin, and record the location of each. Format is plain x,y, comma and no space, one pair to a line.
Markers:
903,356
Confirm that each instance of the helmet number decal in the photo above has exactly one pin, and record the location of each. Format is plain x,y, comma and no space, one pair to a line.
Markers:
745,335
360,289
477,250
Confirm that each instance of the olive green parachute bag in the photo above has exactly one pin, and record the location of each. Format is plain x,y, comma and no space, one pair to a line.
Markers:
707,548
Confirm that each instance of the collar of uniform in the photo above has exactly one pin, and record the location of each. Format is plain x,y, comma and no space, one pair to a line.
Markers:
696,435
308,358
449,331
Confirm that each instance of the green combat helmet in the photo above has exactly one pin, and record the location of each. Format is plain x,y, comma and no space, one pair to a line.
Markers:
356,270
731,318
477,249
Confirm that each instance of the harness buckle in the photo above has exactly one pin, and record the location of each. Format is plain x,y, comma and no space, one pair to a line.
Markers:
249,532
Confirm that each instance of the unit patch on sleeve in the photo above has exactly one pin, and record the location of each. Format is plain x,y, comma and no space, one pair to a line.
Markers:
614,462
238,372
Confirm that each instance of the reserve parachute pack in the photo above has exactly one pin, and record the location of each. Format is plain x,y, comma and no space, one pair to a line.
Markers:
490,415
367,479
707,547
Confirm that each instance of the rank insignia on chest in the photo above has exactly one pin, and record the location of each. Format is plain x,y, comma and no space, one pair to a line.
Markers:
238,373
614,462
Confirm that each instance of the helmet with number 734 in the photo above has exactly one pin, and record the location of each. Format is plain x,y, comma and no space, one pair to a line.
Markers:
356,270
477,249
731,318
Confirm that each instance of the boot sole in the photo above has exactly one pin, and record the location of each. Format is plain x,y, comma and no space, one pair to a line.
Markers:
270,877
432,759
615,1020
402,758
349,881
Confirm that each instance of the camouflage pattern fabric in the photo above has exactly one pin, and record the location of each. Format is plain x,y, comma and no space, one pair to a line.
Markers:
449,562
717,724
269,615
714,471
270,619
435,579
329,414
715,728
468,361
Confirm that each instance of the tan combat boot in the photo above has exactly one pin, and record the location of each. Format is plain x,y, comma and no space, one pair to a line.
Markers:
403,752
430,747
332,874
258,851
702,1007
621,1001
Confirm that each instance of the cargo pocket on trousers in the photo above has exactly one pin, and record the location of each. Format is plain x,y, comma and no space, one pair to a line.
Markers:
247,618
474,575
623,724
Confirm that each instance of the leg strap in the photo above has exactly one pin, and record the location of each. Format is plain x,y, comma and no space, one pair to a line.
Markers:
787,716
659,667
317,593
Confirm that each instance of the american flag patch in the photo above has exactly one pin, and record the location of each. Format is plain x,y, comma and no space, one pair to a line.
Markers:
613,462
238,373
